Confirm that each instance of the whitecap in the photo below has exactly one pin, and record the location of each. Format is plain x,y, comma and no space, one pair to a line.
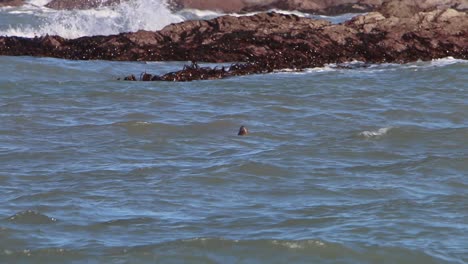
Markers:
375,133
303,244
38,2
447,61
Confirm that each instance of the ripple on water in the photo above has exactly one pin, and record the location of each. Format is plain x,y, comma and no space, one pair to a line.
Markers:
30,217
215,250
366,165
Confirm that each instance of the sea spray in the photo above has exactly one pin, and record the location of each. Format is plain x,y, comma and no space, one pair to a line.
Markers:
38,2
127,17
375,133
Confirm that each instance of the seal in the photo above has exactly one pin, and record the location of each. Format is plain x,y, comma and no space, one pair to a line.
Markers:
243,131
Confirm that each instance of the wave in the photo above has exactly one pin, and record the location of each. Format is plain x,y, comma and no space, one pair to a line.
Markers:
166,128
218,250
363,67
418,132
31,217
375,133
191,14
38,2
127,17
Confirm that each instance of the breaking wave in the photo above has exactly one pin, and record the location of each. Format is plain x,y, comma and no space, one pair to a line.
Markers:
375,133
126,17
129,16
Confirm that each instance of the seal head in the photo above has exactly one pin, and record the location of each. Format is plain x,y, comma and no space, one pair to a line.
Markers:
243,131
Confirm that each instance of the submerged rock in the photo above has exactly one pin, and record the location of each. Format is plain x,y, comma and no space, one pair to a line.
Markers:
267,42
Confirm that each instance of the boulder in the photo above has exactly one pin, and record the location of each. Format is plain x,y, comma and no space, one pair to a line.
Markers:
408,8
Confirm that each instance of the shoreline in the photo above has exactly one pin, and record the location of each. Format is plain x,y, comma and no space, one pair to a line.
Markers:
267,42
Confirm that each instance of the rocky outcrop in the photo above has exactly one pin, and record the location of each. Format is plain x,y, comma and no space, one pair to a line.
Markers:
231,6
267,42
407,8
80,4
241,6
11,3
325,7
328,7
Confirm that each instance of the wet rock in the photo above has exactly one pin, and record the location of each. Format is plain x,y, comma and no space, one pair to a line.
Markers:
402,8
80,4
146,77
408,8
231,6
266,42
130,78
11,3
329,7
325,7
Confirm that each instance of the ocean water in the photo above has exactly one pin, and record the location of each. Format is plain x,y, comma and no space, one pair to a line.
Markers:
360,165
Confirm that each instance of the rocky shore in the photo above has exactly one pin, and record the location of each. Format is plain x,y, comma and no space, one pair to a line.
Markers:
80,4
11,3
324,7
329,7
268,42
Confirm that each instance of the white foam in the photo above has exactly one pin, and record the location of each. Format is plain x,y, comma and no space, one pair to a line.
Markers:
209,14
375,133
298,244
38,2
326,68
127,17
191,14
447,61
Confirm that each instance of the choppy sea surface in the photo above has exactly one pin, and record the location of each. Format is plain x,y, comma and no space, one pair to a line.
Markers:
342,165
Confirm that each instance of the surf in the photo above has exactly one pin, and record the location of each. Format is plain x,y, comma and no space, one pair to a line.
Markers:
129,16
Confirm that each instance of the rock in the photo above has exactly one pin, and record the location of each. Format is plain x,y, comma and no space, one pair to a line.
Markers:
80,4
146,77
403,8
325,7
313,6
398,8
130,78
408,8
231,6
266,42
11,3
